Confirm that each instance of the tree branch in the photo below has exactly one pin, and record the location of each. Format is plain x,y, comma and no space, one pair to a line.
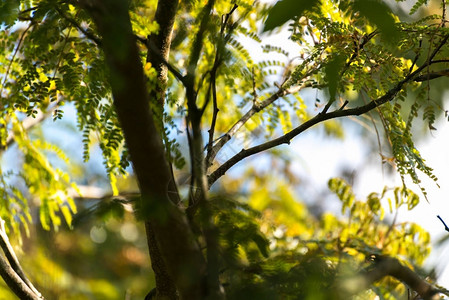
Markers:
213,75
15,283
198,41
387,266
432,75
12,259
12,273
257,107
358,46
445,226
320,117
154,51
199,189
159,44
158,53
285,139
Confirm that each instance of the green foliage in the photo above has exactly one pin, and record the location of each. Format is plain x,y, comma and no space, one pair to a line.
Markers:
9,11
69,265
407,157
52,63
286,10
346,54
311,255
241,239
332,71
14,205
365,213
379,14
417,5
48,185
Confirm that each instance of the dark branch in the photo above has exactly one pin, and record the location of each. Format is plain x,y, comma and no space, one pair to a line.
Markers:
213,78
19,44
445,226
257,107
432,75
280,93
344,105
320,117
285,139
436,61
198,41
387,266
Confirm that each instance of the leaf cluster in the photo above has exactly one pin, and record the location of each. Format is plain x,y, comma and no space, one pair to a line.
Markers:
315,255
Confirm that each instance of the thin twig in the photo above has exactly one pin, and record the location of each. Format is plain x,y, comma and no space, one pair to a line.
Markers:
445,226
214,120
416,56
66,38
22,36
443,14
28,10
213,83
432,75
440,61
343,105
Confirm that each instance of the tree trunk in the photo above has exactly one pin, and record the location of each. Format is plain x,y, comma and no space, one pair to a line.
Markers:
174,238
165,17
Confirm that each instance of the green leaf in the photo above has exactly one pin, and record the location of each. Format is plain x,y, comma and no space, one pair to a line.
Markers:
417,5
333,70
262,243
285,10
379,14
9,12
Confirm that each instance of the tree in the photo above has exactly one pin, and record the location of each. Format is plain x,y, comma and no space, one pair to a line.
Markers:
137,71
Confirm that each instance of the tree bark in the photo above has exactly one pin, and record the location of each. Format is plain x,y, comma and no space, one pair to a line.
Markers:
183,258
165,17
15,283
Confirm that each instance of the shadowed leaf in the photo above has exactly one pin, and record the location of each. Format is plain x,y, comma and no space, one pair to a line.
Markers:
285,10
380,15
